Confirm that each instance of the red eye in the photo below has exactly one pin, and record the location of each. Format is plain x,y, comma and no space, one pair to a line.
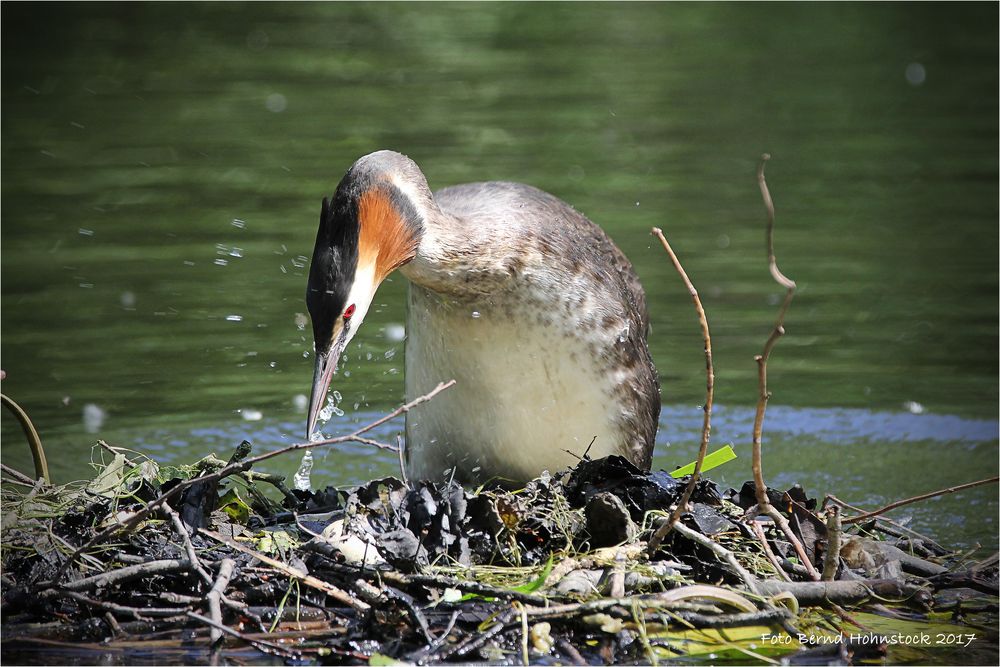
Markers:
349,312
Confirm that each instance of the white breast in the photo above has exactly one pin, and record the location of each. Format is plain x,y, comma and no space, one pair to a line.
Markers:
527,391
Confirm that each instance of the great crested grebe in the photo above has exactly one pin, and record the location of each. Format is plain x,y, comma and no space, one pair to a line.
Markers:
524,301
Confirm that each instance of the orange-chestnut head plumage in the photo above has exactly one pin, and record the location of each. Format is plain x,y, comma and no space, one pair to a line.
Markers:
369,229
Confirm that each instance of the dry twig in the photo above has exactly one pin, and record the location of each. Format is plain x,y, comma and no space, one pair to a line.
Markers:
724,554
924,496
776,333
758,531
20,477
890,527
761,359
706,429
118,576
192,555
833,530
214,597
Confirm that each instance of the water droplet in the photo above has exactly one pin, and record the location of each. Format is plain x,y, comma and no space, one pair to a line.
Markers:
235,252
276,103
389,354
273,364
93,417
300,402
221,262
234,318
251,414
239,224
915,74
914,408
127,299
301,481
86,232
395,332
337,397
301,321
475,315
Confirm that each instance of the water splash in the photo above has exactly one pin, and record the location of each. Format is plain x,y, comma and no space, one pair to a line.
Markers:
301,480
331,408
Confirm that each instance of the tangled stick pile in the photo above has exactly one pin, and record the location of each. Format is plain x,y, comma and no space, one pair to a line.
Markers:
433,573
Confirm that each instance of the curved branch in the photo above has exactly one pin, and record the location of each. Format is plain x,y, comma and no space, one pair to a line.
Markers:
706,427
31,434
761,359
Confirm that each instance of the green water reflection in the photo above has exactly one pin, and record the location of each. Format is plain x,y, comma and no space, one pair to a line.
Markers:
163,166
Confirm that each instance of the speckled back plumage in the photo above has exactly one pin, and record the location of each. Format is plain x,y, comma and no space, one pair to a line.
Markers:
531,253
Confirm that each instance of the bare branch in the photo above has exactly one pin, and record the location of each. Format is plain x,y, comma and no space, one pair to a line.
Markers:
758,531
722,553
833,530
776,333
706,428
761,359
925,496
214,597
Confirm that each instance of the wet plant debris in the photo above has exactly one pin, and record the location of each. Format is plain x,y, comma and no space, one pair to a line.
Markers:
201,568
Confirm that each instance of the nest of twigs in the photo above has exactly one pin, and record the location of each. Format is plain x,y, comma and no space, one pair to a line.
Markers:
558,572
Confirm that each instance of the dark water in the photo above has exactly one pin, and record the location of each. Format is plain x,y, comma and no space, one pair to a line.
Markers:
163,166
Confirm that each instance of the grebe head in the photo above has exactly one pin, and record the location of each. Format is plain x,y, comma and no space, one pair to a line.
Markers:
372,226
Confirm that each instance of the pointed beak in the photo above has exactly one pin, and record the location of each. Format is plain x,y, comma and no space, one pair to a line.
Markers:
326,364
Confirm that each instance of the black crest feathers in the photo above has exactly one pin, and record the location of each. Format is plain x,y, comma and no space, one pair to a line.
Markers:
334,261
